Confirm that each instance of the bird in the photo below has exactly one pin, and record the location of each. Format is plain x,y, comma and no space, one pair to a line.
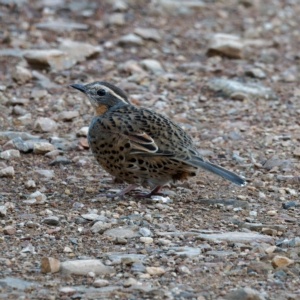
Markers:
140,146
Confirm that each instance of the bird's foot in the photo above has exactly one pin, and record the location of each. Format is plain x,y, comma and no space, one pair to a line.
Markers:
121,194
154,192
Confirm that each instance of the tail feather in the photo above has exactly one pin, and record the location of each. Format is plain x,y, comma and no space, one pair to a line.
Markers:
231,176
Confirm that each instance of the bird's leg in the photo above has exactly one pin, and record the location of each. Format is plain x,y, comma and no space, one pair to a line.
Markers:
121,193
152,193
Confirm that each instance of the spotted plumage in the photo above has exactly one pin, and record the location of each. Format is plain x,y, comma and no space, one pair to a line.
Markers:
140,146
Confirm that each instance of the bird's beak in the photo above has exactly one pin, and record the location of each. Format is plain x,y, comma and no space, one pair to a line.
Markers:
79,87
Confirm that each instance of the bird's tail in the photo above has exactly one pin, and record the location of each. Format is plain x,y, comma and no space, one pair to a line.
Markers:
208,166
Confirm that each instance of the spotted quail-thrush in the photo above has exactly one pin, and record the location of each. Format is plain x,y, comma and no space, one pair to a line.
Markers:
140,146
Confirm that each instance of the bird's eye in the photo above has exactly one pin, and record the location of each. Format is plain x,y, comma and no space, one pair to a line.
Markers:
101,92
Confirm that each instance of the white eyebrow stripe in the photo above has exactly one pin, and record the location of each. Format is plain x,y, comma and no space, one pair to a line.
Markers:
111,92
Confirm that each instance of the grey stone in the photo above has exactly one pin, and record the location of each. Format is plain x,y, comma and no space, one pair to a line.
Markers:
61,25
100,227
252,90
51,220
117,19
45,125
10,154
145,232
83,267
126,258
226,202
45,174
148,33
237,237
7,172
9,135
152,65
186,251
21,75
68,115
256,73
130,39
3,211
16,283
122,233
246,293
60,160
22,146
42,147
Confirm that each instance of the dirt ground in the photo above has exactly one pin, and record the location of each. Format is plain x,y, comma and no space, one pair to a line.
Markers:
206,238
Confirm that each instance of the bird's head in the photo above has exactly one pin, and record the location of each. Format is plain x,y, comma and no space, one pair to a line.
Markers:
102,95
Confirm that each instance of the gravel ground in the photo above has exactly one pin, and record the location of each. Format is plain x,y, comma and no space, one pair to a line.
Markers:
228,73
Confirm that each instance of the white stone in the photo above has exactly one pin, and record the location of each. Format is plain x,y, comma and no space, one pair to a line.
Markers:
68,115
116,19
146,240
10,154
83,131
7,172
130,39
100,283
42,147
83,267
45,125
148,34
30,184
152,65
100,227
155,270
21,75
226,44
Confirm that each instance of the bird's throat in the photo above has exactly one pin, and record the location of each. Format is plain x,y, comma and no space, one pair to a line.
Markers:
100,109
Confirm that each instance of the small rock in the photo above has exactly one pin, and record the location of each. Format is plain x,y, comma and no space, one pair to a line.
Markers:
83,267
21,75
130,39
61,25
68,250
226,44
38,95
60,160
42,148
281,261
129,282
155,270
146,240
83,131
53,154
50,265
7,172
45,125
52,220
45,174
246,293
148,34
120,5
10,154
68,115
22,146
256,73
67,291
3,211
36,198
297,151
184,270
145,231
152,65
100,283
126,233
270,249
117,19
100,227
10,135
9,230
272,213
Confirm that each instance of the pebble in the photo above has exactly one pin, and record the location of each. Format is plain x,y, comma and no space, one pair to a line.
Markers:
38,95
155,270
129,282
22,146
59,160
100,283
256,73
252,90
49,265
10,135
83,131
245,293
145,231
237,237
68,115
152,65
45,125
126,233
82,267
148,34
7,172
52,220
68,250
44,174
9,230
270,249
42,148
225,44
130,39
288,204
117,19
146,240
281,261
126,258
184,270
272,213
61,25
3,211
21,75
100,227
10,154
67,291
